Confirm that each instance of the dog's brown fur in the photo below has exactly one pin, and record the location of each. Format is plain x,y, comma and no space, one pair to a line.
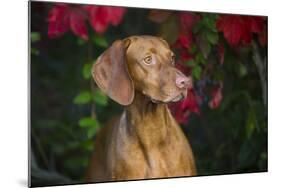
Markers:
146,142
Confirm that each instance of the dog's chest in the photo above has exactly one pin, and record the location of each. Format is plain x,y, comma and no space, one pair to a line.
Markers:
152,155
165,161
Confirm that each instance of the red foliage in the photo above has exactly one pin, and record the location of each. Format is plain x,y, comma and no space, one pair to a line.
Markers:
185,37
263,37
187,21
77,23
100,17
63,17
183,68
190,103
239,29
216,94
181,110
185,40
159,16
58,19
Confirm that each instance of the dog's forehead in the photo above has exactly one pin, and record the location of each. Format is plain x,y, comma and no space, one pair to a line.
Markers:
149,43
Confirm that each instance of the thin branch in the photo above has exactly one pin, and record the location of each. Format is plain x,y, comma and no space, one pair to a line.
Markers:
93,85
40,148
261,66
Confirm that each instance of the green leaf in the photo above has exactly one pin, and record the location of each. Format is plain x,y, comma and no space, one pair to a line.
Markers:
35,36
83,98
193,49
80,41
251,124
34,51
199,58
88,122
91,125
196,72
100,98
87,145
242,70
212,37
100,41
197,27
87,70
209,22
92,131
190,63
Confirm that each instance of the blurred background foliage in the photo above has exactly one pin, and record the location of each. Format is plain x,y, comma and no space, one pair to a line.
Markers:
224,115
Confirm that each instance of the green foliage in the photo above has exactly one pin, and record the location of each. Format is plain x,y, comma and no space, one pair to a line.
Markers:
199,58
190,63
100,41
196,72
212,37
35,36
81,41
87,67
90,124
83,98
100,98
34,51
242,70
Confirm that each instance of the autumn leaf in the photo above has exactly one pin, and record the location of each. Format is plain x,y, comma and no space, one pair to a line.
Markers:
158,16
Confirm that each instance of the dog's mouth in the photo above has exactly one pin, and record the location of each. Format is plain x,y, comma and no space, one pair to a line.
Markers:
177,98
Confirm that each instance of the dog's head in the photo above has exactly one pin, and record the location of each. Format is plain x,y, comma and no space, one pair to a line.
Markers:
140,63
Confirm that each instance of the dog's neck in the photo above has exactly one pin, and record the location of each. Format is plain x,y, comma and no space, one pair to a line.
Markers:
149,121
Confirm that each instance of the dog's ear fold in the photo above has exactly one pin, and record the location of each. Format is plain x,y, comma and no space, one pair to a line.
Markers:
111,74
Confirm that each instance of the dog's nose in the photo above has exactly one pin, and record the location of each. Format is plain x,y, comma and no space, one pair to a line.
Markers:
182,81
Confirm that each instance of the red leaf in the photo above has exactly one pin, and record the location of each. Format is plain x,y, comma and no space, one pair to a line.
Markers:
77,23
256,24
190,102
237,29
58,19
187,20
181,110
158,16
180,116
232,28
99,17
185,40
183,68
263,37
116,14
216,96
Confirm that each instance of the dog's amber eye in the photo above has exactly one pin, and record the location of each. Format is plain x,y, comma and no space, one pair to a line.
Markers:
148,60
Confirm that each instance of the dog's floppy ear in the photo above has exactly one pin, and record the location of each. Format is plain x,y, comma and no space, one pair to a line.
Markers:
111,74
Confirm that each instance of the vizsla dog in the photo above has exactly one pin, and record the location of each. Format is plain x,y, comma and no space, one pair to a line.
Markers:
146,142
